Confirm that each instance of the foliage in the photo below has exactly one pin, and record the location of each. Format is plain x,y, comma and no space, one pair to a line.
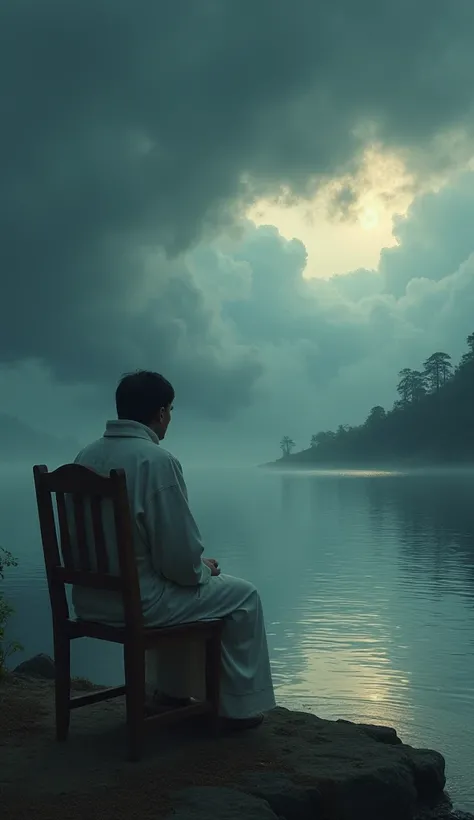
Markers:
437,371
6,649
432,420
411,387
287,445
6,560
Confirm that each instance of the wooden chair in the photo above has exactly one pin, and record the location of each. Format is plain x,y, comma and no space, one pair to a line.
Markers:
68,561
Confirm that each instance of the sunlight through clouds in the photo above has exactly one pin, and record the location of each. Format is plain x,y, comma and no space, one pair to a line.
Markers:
348,221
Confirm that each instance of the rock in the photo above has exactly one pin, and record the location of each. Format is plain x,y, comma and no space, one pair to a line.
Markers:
40,666
383,734
302,768
428,771
383,792
356,771
327,769
209,803
286,798
443,812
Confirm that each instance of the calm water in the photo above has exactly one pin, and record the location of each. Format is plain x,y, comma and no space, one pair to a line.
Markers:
368,587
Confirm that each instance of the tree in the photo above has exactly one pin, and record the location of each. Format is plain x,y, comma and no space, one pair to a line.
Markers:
287,445
321,438
418,386
437,370
376,415
411,386
468,358
403,386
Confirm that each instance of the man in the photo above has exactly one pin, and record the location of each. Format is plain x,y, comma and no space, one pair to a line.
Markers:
176,583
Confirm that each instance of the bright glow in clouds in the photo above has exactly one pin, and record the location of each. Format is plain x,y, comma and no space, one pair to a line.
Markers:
345,225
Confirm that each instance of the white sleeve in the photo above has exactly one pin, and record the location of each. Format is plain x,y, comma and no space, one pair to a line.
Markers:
175,540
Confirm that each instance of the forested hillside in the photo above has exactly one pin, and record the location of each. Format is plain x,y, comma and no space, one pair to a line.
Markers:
432,421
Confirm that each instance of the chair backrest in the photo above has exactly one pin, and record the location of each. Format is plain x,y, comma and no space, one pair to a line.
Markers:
74,540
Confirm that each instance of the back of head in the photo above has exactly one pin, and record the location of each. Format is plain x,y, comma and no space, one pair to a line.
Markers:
141,395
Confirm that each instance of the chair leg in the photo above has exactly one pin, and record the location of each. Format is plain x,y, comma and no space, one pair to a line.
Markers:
134,662
213,677
62,662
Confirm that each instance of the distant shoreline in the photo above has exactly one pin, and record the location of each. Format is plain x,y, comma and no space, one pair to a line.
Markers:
288,465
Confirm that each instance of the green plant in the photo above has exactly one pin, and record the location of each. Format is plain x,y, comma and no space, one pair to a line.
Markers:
6,610
6,560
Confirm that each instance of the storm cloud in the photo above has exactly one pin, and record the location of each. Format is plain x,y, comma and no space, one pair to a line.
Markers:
133,130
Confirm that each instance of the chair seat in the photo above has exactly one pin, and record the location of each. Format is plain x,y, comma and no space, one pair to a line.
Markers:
78,628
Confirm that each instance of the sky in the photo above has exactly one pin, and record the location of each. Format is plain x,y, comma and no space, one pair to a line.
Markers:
269,202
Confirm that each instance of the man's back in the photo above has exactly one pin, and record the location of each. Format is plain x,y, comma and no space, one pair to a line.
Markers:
176,584
158,506
131,446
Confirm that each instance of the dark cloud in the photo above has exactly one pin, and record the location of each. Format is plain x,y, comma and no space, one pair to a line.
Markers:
129,126
324,351
343,202
288,317
317,331
344,339
434,238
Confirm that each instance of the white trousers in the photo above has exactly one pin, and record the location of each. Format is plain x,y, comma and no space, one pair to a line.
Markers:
246,683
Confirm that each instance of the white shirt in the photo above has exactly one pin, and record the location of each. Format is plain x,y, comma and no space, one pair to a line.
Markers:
167,542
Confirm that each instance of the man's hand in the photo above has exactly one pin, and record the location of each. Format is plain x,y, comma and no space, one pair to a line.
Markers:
213,565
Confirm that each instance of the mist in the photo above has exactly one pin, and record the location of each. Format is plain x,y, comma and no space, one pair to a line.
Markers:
271,204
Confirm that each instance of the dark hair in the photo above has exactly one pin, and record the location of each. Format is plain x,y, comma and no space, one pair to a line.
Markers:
141,395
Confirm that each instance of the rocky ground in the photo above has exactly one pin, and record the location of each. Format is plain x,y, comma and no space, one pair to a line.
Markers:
296,767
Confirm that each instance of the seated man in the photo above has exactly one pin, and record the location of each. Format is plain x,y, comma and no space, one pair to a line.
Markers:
176,583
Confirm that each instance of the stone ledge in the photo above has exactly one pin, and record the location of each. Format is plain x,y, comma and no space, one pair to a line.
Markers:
219,804
297,766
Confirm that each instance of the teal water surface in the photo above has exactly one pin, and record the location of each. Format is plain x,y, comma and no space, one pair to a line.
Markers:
367,581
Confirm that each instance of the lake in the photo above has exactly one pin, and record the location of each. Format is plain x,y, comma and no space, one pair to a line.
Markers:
367,582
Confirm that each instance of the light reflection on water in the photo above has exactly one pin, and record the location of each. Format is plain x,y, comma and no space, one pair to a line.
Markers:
367,579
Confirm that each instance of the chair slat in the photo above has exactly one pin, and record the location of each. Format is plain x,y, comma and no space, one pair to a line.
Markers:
90,580
81,531
99,535
91,629
64,534
74,478
96,697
